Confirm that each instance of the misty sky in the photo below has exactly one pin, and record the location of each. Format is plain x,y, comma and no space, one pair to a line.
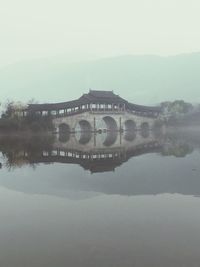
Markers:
92,29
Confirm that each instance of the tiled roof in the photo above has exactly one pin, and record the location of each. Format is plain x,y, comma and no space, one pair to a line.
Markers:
102,94
101,97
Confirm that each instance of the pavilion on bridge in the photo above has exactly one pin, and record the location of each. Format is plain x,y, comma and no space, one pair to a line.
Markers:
94,101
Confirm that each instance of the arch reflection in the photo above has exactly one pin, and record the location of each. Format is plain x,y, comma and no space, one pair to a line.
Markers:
111,138
85,137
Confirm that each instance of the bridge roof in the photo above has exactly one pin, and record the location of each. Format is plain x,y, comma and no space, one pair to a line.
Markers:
106,97
94,96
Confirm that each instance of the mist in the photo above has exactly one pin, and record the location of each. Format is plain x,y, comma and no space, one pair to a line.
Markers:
141,79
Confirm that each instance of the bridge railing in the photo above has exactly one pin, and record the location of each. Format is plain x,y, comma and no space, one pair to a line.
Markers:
67,113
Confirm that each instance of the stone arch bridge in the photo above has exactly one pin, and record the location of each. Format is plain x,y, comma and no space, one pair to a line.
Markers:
97,111
106,121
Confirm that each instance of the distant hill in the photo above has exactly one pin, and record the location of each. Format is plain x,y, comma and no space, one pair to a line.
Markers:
140,79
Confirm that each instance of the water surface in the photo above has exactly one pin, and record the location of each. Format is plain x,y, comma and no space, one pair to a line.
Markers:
128,202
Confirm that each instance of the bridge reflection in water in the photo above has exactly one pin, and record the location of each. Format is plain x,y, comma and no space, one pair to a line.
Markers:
146,174
100,151
97,152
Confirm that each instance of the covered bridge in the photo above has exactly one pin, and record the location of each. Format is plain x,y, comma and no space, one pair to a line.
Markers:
94,101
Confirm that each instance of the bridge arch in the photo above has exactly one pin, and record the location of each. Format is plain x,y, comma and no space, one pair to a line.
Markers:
130,130
145,128
63,128
85,126
111,124
83,132
64,132
130,125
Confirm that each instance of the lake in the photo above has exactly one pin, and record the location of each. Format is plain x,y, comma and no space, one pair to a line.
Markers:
111,200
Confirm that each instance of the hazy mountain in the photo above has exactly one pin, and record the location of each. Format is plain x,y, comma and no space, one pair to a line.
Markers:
141,79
